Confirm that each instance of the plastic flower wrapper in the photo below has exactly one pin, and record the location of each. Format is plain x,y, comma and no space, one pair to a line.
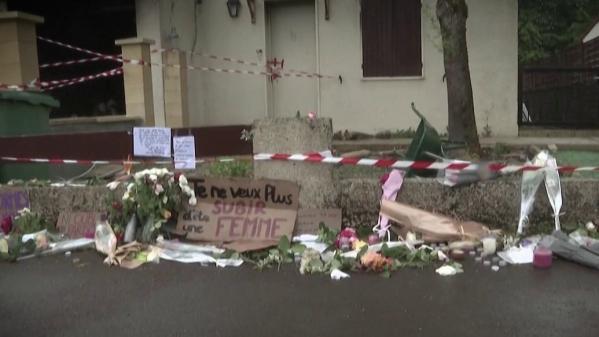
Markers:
105,241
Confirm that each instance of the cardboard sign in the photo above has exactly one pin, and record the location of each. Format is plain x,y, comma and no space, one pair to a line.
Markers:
241,210
308,220
12,200
185,152
152,142
78,224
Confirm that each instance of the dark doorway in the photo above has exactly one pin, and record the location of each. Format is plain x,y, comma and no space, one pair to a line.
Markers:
93,25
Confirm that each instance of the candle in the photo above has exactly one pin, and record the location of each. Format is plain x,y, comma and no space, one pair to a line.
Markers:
489,245
542,258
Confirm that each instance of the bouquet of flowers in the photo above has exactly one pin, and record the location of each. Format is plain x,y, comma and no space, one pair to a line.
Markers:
152,197
23,234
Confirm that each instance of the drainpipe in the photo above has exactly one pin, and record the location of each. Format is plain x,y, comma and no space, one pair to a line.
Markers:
317,28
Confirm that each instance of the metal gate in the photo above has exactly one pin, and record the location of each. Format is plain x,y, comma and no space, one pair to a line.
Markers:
559,97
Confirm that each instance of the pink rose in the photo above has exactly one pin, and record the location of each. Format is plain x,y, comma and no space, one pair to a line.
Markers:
346,235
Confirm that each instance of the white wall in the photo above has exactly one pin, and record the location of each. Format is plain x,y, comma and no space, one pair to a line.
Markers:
357,104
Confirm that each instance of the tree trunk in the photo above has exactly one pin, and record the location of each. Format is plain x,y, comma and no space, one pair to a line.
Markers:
452,15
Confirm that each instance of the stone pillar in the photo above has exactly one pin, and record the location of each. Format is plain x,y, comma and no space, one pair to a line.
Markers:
138,79
175,89
296,135
18,47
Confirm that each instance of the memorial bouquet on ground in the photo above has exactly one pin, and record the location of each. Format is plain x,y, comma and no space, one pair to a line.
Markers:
151,198
24,234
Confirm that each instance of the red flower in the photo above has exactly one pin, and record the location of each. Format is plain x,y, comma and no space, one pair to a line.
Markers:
117,205
177,175
6,225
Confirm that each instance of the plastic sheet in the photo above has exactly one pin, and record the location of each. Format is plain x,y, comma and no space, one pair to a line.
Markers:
194,253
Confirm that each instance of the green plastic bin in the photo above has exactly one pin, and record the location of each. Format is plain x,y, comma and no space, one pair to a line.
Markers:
24,113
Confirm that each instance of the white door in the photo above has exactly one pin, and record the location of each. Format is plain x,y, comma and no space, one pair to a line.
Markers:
291,37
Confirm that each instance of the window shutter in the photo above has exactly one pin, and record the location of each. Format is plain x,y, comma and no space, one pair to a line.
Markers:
391,38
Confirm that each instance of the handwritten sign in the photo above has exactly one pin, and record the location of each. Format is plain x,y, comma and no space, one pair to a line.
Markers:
308,220
152,142
78,224
12,200
185,152
241,210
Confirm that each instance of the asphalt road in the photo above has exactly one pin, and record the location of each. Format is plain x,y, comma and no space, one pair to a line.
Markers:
53,296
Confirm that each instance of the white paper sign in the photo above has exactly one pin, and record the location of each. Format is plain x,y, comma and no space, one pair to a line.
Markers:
152,142
185,152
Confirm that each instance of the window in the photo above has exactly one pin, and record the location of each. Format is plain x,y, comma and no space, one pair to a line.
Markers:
391,41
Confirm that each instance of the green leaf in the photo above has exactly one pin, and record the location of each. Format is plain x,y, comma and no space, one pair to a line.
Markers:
298,248
326,235
284,244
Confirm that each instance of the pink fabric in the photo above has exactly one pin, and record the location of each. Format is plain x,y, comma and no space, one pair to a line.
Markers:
390,188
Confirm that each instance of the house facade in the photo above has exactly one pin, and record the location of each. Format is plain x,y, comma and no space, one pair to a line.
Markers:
374,58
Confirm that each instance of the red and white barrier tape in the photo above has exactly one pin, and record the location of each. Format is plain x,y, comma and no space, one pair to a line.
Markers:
284,72
414,165
91,52
19,87
51,85
189,67
316,158
54,84
210,56
80,61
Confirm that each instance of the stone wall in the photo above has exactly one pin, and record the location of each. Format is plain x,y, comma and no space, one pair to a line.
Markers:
50,201
496,203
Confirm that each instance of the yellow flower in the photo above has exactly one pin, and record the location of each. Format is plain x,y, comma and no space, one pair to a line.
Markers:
358,244
166,214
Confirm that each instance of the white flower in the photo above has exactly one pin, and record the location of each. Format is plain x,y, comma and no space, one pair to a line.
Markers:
113,185
153,177
24,211
162,172
139,175
130,187
165,199
126,196
187,191
591,226
193,201
158,189
182,181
